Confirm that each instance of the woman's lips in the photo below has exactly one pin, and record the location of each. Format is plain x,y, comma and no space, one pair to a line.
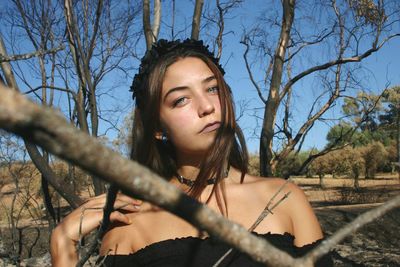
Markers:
211,127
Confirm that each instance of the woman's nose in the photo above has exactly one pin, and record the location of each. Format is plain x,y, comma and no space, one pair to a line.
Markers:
205,106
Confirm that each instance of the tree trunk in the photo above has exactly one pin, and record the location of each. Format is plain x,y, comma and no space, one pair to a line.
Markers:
196,19
82,52
147,24
155,28
151,32
356,182
33,151
321,181
398,140
267,167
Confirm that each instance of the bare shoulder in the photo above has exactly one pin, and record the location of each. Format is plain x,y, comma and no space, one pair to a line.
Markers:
279,188
306,227
273,185
115,241
149,225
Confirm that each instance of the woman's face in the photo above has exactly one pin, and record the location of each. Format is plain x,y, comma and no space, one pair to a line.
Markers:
190,110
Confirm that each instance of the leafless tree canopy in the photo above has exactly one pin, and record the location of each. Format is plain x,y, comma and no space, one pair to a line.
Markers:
344,33
72,57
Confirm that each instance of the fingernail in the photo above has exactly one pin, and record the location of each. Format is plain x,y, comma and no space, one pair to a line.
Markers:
136,206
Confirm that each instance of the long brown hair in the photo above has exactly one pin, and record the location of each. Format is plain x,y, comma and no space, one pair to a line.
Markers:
229,147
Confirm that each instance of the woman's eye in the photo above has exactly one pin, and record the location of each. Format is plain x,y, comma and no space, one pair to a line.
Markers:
179,102
213,89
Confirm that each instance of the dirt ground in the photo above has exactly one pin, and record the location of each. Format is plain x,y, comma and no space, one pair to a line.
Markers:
336,204
341,191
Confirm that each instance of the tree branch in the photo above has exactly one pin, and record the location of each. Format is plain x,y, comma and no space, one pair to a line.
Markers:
74,95
329,64
107,210
65,191
245,42
350,228
38,53
43,126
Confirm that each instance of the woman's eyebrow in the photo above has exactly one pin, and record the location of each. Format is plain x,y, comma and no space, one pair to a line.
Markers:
179,88
208,79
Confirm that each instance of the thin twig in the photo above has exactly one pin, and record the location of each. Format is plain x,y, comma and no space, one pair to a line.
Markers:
350,228
108,208
267,210
45,127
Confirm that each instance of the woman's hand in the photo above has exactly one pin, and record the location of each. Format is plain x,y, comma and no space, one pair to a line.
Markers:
82,221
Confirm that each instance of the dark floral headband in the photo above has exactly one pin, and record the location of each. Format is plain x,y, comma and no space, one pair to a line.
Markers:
159,50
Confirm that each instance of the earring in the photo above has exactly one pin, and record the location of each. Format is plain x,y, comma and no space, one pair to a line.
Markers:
164,138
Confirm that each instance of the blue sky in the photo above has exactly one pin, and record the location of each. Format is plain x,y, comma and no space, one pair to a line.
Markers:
379,70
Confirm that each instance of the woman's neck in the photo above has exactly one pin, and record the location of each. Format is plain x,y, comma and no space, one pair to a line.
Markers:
188,171
189,166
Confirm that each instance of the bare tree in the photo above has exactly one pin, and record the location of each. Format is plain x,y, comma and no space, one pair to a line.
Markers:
350,26
45,128
217,17
151,31
38,20
33,151
198,8
19,174
99,41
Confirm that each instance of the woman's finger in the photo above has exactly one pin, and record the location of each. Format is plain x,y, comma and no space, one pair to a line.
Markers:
128,199
117,216
99,201
127,207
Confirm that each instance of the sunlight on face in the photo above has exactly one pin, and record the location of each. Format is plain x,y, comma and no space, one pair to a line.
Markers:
190,109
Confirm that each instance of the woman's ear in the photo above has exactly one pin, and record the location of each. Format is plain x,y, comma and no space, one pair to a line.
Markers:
158,135
161,136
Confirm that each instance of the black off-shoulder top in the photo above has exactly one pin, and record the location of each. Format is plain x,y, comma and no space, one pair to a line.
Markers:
206,252
196,252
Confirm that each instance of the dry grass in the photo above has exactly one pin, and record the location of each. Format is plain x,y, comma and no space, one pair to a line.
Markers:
338,191
25,202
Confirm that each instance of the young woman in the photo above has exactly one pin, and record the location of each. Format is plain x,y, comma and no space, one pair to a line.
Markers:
185,130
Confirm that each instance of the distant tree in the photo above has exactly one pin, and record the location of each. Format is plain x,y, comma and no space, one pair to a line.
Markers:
254,164
19,204
390,120
347,32
346,162
123,142
340,134
97,39
374,156
355,108
356,163
291,164
321,167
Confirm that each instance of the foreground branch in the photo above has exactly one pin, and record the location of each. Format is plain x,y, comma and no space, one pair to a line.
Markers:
44,127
